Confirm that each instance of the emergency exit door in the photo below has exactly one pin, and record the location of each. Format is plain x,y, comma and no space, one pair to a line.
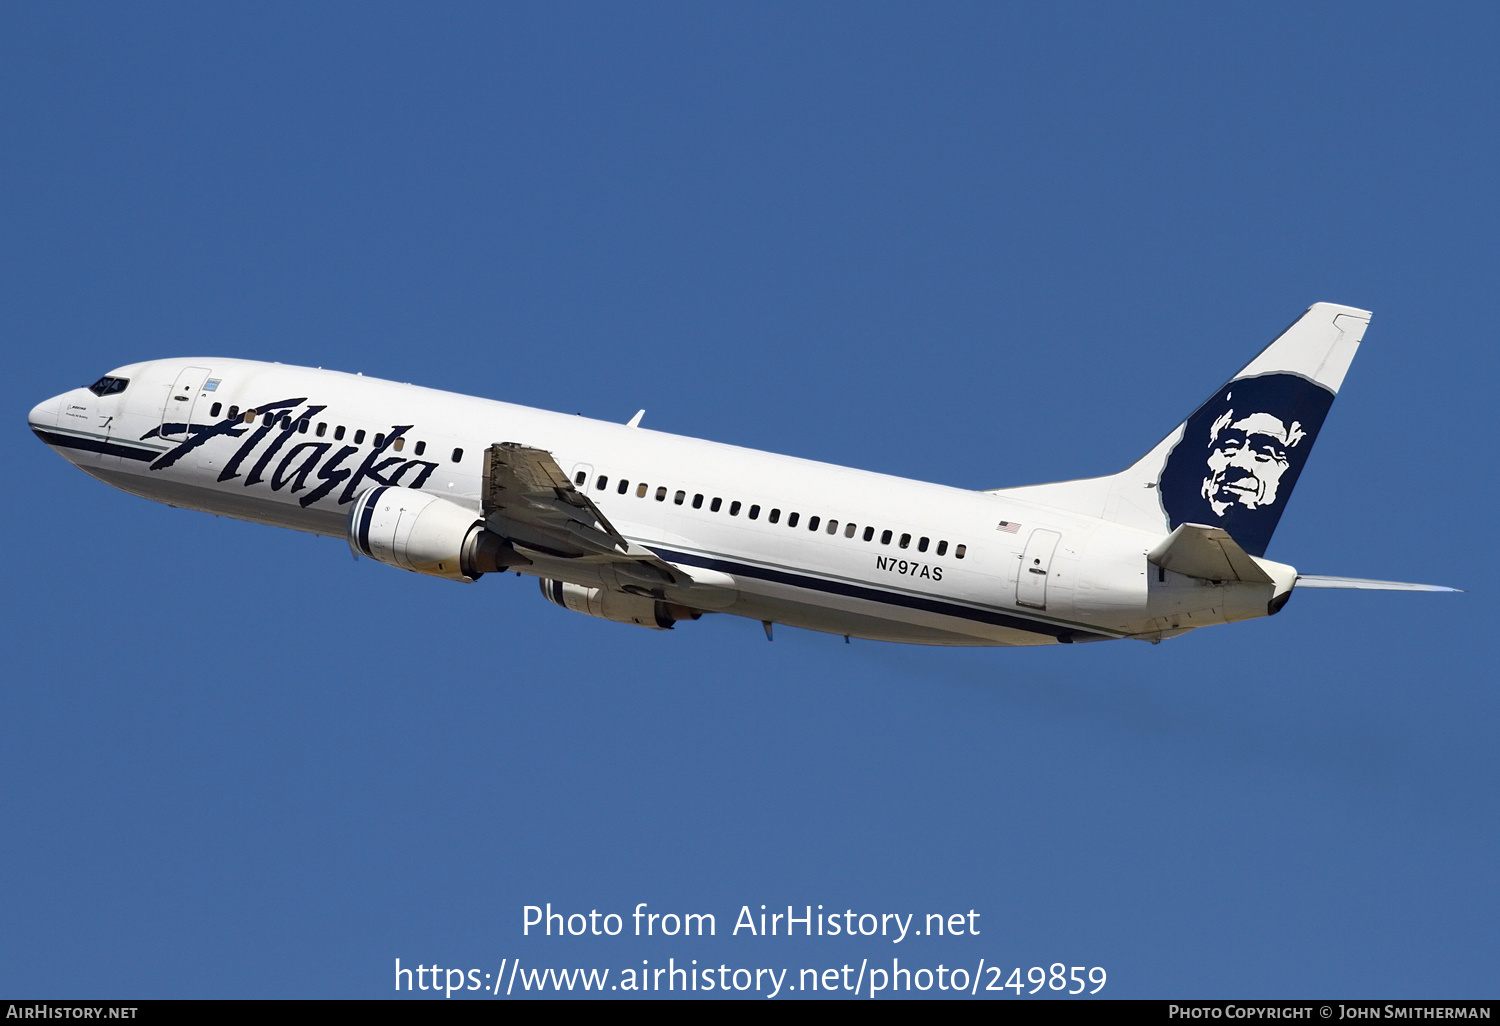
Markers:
1036,566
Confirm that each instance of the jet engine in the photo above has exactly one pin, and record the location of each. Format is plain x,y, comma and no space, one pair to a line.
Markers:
426,534
619,606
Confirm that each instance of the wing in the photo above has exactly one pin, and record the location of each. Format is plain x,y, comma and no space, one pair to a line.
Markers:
530,501
1314,581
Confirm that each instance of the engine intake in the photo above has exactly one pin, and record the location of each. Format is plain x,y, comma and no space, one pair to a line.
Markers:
426,534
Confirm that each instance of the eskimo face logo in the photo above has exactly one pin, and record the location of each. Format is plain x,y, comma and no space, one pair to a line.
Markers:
1247,459
1240,455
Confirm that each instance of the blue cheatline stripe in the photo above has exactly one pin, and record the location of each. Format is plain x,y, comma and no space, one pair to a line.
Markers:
364,520
1020,623
99,445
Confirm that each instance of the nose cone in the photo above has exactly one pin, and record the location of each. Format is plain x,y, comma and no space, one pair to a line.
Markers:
43,416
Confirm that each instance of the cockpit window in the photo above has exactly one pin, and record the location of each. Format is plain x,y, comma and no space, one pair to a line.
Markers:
109,386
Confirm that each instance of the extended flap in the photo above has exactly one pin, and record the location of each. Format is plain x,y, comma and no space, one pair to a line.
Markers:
1207,553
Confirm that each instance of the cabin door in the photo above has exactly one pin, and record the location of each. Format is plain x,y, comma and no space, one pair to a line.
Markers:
1036,565
177,414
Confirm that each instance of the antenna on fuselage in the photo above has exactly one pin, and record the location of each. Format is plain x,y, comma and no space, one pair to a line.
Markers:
636,420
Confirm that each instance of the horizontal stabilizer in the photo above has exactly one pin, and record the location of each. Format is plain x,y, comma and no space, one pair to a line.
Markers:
1312,581
1207,553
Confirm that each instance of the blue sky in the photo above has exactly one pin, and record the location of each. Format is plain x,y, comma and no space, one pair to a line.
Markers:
974,244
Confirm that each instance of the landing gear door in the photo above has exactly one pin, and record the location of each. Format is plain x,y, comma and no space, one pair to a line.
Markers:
1036,565
177,414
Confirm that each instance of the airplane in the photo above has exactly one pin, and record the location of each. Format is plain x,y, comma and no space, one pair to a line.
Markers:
642,527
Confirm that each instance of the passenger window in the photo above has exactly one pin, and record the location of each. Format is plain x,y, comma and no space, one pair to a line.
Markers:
677,499
421,448
774,515
905,540
359,439
958,552
302,426
249,416
848,530
286,423
921,544
379,439
942,549
885,537
812,523
213,411
580,477
322,429
734,508
833,527
640,490
661,494
602,483
791,519
398,444
622,487
869,533
754,512
234,413
698,501
338,433
713,507
458,454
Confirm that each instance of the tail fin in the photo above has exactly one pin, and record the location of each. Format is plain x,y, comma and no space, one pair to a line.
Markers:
1234,462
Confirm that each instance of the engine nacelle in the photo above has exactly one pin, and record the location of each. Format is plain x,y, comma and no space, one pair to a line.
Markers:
426,534
619,606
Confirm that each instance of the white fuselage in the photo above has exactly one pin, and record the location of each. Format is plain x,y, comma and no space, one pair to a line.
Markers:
922,563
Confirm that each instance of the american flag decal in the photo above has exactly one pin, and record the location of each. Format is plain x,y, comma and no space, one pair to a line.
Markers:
1008,527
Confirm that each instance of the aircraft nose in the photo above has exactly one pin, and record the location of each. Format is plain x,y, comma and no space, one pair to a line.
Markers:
43,416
